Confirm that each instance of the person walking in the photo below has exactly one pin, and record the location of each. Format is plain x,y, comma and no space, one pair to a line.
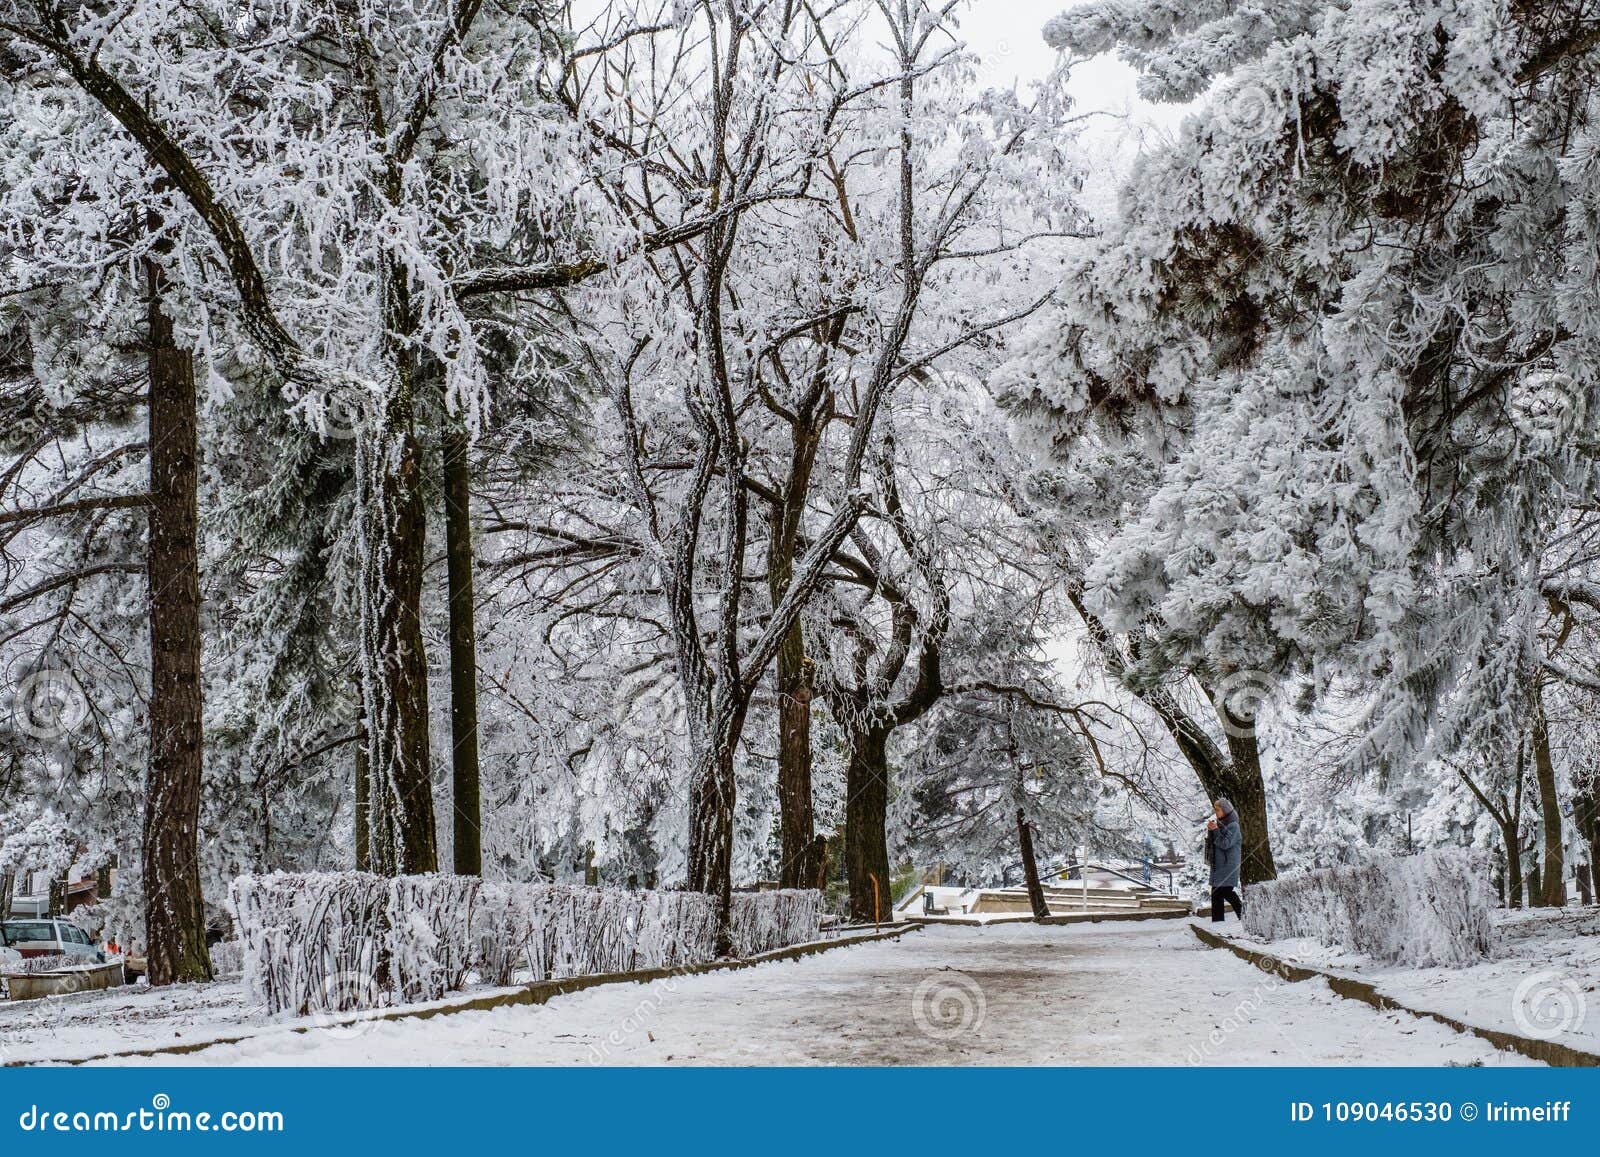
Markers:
1223,851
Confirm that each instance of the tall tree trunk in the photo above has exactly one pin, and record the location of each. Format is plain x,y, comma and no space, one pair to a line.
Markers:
394,658
796,819
711,801
866,844
1241,781
1030,867
468,838
1554,873
174,909
796,815
1586,818
1508,836
363,804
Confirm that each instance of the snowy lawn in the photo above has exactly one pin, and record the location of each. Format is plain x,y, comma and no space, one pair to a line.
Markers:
92,1024
1543,981
1011,994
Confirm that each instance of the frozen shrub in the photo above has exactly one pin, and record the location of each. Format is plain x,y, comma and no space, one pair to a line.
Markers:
314,942
430,941
679,928
766,921
1424,911
505,925
335,942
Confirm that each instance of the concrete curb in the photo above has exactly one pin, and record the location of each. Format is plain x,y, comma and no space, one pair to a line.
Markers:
537,992
1549,1052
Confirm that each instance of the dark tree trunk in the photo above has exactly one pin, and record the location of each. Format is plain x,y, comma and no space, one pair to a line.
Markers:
1030,867
1242,783
395,661
795,816
711,802
174,910
1535,885
1508,836
866,845
1554,874
363,805
468,839
1586,818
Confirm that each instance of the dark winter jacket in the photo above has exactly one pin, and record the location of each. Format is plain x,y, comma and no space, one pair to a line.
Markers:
1224,848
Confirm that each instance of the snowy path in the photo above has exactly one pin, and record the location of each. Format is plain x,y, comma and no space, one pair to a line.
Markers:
1019,994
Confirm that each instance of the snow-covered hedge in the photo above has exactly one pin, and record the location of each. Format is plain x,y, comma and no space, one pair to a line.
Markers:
332,942
308,939
1426,910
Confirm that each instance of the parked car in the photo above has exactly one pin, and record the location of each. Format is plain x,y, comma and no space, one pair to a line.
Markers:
49,938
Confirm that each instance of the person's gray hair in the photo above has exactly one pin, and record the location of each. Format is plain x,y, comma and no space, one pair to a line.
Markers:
1225,804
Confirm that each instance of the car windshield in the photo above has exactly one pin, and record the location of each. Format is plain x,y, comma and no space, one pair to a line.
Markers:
28,931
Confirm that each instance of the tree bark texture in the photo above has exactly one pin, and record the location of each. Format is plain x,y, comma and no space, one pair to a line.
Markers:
866,849
1030,867
467,816
1554,874
175,918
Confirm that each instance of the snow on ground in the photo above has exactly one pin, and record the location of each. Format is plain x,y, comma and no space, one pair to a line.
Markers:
92,1024
1146,993
1543,982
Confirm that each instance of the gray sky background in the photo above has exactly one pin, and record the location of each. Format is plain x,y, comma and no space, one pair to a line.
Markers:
1006,34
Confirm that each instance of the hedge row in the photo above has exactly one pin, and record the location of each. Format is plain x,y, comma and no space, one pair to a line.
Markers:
1426,910
335,942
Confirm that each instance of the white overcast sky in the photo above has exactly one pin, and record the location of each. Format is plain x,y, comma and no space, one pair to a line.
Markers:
1006,34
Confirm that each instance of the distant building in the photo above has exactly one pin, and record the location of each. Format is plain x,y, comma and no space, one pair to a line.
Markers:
32,895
